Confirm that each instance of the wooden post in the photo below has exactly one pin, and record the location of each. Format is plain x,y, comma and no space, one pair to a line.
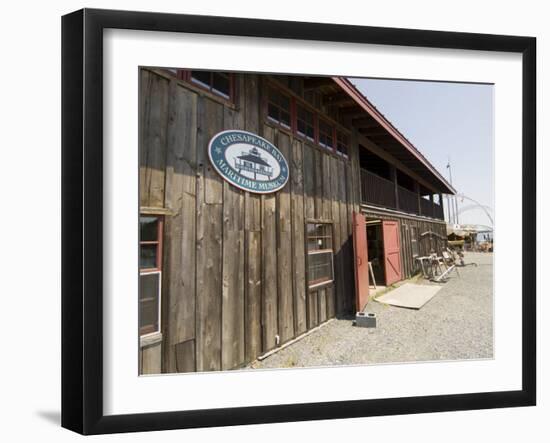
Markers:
393,172
417,187
432,202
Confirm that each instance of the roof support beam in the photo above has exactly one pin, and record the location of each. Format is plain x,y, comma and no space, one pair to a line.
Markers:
317,82
365,123
352,112
338,99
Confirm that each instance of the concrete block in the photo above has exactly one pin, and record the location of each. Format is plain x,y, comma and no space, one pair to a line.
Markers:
365,320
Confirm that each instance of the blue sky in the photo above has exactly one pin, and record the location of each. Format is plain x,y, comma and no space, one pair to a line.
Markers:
444,120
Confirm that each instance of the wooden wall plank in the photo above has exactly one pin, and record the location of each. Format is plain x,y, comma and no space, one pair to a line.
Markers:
309,181
318,167
331,302
346,247
178,295
269,261
284,253
339,292
312,309
185,356
327,195
298,230
253,312
253,237
151,359
233,293
209,241
322,305
155,90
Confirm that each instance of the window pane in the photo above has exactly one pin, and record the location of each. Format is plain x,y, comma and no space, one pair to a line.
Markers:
202,77
320,267
301,127
285,118
284,102
273,112
310,132
319,236
221,83
149,302
148,228
148,256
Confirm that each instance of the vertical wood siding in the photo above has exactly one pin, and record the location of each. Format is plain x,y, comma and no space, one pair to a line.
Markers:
235,263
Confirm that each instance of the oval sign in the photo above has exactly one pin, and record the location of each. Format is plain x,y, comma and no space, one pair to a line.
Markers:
248,161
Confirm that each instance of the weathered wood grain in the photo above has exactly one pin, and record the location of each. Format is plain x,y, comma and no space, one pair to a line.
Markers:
298,229
152,149
178,308
209,242
327,195
309,182
269,261
233,294
185,356
312,309
284,253
253,312
318,167
151,359
337,239
322,305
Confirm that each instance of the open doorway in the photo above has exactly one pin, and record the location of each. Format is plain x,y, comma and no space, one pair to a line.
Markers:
375,245
383,243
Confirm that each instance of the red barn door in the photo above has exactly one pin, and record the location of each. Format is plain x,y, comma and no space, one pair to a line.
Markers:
361,260
392,255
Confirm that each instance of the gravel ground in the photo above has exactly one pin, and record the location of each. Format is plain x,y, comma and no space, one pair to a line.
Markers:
456,324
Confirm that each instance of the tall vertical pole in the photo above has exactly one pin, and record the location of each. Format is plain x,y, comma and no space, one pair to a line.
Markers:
454,196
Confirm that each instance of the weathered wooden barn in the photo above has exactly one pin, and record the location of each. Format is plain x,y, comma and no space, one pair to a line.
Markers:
227,275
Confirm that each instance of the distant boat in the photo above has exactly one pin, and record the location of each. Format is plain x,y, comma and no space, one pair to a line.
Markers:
253,162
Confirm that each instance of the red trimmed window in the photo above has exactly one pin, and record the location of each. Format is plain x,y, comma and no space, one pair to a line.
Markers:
221,84
278,107
218,83
305,126
326,134
320,255
342,144
150,273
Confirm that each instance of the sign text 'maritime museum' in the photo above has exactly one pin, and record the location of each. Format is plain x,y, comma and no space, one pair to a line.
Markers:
248,161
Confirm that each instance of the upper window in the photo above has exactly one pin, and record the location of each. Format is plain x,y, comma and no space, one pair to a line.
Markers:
326,135
278,107
342,143
414,241
219,83
320,255
291,113
150,273
305,123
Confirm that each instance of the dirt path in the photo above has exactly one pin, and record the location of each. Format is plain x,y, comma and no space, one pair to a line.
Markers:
456,324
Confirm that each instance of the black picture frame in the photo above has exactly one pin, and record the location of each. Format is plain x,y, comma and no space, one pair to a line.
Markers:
82,215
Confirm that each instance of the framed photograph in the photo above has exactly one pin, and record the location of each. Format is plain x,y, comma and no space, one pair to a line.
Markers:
270,221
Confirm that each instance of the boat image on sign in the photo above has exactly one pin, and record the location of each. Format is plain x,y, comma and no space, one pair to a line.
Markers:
253,162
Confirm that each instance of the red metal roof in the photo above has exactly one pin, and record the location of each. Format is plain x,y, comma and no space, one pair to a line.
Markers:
364,103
